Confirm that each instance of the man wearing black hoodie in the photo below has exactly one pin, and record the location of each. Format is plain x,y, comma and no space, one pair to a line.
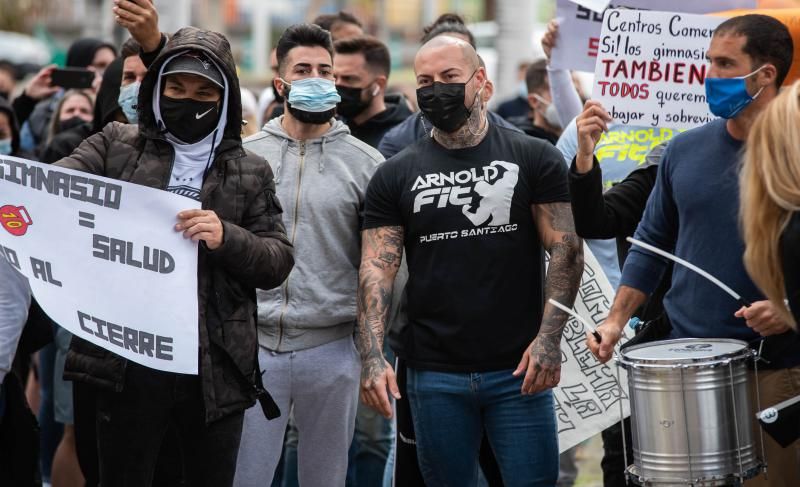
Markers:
362,66
243,246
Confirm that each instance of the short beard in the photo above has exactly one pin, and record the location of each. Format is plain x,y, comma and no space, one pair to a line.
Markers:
315,118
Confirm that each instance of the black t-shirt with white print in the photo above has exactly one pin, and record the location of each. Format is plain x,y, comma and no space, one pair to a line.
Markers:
475,260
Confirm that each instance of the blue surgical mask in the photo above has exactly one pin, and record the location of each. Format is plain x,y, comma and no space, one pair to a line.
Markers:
128,97
5,147
728,96
313,94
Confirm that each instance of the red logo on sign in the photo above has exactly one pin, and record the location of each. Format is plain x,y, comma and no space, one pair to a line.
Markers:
15,219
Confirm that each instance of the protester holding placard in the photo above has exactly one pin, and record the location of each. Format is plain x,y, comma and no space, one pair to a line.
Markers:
615,213
543,120
242,246
563,87
749,58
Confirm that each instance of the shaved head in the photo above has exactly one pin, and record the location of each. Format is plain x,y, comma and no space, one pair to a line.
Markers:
457,50
453,62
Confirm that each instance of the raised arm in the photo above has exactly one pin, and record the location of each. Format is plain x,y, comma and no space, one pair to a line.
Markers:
542,360
566,98
140,17
381,254
617,212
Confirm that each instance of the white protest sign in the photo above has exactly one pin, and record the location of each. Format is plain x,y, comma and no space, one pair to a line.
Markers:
587,399
651,68
579,26
104,260
594,5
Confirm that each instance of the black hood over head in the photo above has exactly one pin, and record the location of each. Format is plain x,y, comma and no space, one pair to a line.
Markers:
106,104
5,107
81,52
216,47
396,111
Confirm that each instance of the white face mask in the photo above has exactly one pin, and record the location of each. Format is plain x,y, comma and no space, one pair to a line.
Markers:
550,113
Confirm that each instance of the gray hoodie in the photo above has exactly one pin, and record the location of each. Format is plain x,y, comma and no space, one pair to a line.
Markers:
320,184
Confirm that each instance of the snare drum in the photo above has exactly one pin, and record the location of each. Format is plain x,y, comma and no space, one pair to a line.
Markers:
691,413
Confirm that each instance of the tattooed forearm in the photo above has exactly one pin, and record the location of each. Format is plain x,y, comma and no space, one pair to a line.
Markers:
381,253
557,230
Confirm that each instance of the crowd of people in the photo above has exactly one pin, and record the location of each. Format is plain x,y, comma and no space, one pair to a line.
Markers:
372,290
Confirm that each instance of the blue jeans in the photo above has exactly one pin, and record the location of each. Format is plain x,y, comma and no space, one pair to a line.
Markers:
51,430
450,413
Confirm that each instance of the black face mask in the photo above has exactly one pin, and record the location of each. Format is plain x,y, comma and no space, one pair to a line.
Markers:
70,124
187,119
443,104
352,104
4,95
315,118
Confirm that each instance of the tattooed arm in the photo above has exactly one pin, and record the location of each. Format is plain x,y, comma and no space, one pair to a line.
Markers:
542,360
381,253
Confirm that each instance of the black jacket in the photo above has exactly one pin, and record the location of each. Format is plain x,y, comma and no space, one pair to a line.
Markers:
106,106
255,252
790,260
525,123
66,141
372,131
617,212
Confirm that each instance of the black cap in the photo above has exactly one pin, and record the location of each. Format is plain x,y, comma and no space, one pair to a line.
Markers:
195,63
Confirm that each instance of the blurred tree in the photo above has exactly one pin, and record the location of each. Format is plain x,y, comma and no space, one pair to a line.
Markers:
20,15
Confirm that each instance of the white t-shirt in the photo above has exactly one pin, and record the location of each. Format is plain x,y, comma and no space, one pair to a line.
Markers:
186,179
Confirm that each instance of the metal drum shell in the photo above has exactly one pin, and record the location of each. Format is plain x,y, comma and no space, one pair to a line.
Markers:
687,414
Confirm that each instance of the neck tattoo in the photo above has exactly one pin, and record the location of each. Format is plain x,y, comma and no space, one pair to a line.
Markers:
468,135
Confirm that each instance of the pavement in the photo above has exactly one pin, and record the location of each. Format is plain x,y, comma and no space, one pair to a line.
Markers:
588,458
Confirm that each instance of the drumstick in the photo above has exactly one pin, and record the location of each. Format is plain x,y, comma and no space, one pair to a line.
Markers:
578,317
692,267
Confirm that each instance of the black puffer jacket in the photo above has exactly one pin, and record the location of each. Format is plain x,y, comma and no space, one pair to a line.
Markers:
255,252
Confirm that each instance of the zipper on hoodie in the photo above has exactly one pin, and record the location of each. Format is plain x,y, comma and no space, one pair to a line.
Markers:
294,234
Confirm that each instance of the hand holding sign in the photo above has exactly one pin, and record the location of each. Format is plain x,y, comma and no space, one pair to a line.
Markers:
201,225
549,38
590,125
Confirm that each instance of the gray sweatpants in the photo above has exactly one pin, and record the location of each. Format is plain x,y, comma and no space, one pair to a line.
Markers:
321,384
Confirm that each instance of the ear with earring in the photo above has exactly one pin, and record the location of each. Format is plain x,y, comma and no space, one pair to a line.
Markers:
480,105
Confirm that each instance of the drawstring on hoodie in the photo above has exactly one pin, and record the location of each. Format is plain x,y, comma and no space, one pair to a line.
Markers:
322,154
284,150
210,155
